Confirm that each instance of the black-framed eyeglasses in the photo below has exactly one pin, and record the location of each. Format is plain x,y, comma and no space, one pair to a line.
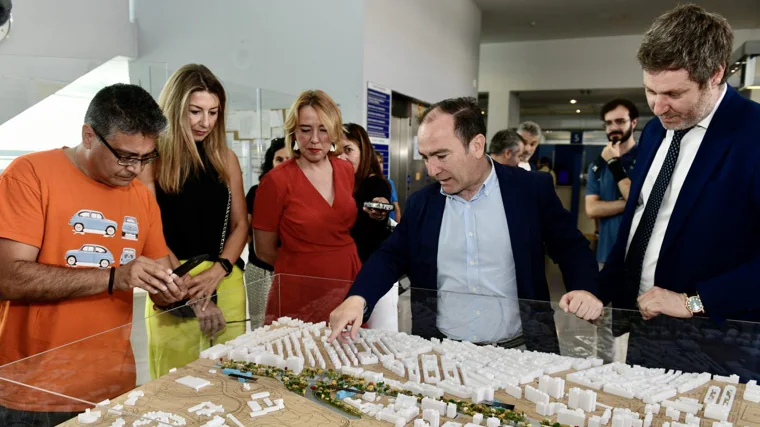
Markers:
127,160
619,122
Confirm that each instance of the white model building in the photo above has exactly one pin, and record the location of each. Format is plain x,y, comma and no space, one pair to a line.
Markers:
432,416
583,399
732,379
674,414
554,387
570,417
752,392
536,396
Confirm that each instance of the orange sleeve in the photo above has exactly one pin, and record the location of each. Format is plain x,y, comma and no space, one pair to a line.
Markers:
269,204
155,246
22,217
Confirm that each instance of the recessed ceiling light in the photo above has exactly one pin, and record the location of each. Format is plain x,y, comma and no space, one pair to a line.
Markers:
578,111
572,101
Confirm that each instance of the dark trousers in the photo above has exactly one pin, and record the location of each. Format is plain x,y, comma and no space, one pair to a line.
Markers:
14,418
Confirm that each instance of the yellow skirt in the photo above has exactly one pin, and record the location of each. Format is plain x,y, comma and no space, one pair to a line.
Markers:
173,342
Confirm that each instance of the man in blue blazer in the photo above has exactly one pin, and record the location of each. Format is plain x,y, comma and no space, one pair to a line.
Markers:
689,241
473,244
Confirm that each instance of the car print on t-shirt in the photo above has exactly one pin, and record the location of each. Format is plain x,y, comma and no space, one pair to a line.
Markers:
89,256
129,228
89,221
127,255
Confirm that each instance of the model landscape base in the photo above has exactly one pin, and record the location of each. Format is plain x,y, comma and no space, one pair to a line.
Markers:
403,380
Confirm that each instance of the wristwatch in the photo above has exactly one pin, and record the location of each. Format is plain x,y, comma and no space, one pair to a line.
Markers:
694,304
226,265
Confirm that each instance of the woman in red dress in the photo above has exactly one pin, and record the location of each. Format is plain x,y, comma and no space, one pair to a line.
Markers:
307,205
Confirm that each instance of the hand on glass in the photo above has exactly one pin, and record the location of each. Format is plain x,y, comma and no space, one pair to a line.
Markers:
611,151
349,313
210,319
582,304
378,214
658,301
145,273
201,286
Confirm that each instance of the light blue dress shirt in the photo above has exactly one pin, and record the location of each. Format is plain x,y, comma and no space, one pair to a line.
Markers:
477,298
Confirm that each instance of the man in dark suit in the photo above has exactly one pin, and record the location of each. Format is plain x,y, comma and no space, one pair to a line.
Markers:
473,244
689,241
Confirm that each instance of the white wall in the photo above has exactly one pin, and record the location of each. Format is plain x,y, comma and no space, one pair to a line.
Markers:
592,63
426,49
281,45
54,42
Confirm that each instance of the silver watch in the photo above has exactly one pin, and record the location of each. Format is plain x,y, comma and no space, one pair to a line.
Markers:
694,304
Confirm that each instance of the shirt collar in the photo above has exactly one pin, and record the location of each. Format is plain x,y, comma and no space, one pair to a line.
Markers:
488,185
705,123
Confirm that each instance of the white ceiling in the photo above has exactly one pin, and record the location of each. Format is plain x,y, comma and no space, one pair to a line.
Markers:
523,20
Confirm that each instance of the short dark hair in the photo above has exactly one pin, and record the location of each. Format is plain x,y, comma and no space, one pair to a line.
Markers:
690,38
125,108
506,139
276,145
468,118
633,112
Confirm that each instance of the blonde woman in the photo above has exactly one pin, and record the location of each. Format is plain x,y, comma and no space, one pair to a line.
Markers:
307,204
199,187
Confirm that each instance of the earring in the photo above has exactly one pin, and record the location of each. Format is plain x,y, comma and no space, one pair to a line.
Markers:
295,147
332,147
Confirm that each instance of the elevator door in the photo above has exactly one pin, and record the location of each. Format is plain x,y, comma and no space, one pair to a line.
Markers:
408,169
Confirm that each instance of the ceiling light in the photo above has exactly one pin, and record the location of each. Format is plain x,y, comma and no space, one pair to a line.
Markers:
572,101
578,111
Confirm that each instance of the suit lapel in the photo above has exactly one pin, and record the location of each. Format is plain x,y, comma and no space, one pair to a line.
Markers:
718,139
518,231
644,160
647,148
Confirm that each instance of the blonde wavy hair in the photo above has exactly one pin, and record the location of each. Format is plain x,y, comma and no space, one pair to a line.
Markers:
178,154
328,113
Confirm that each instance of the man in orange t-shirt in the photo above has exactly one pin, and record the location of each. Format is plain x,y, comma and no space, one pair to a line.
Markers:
77,234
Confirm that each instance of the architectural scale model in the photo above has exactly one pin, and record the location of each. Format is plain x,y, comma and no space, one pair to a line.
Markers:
287,374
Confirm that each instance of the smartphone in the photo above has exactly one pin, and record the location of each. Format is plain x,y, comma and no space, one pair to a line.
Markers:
381,206
190,264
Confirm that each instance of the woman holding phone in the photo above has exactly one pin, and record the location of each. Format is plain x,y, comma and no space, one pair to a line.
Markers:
370,186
